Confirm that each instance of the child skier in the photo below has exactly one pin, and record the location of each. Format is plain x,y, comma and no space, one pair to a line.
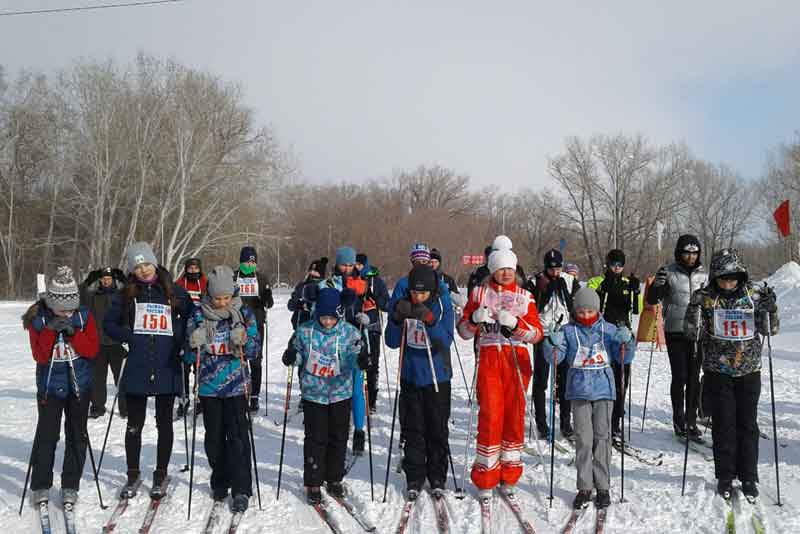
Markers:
222,334
589,344
328,350
508,320
724,318
425,326
64,342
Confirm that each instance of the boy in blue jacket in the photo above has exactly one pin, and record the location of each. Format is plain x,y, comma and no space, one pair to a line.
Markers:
424,325
222,334
327,350
589,344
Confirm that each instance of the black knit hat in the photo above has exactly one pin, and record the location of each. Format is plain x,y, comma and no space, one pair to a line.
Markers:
615,256
422,278
361,258
320,265
552,259
193,261
436,255
688,243
106,271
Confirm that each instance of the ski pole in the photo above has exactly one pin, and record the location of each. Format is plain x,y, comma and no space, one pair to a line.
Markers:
553,422
461,365
469,424
622,434
111,417
383,350
288,398
194,429
690,402
630,366
650,364
369,436
246,383
772,398
265,374
185,402
394,411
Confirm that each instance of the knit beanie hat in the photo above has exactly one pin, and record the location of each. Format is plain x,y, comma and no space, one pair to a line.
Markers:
502,259
552,259
615,256
572,269
193,261
502,242
436,255
320,265
419,252
361,258
62,291
586,298
220,281
328,303
422,278
248,253
345,256
139,253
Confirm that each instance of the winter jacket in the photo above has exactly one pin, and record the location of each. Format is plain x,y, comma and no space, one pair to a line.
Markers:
615,297
302,300
44,344
153,367
194,288
681,284
327,360
419,338
99,299
221,372
401,291
257,304
377,298
595,380
359,288
554,298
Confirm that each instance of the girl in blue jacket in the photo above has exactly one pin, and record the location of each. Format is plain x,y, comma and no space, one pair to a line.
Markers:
223,334
424,326
589,344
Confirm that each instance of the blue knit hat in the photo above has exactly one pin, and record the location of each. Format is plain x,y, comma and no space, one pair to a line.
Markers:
345,255
328,303
248,253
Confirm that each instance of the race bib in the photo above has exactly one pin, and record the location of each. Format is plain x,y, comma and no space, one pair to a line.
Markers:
734,325
194,295
594,358
416,336
511,301
221,345
248,287
62,352
323,365
153,319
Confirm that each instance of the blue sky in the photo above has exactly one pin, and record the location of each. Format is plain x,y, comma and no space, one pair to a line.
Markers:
360,89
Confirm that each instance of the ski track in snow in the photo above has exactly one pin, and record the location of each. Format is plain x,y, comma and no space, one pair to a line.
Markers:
652,494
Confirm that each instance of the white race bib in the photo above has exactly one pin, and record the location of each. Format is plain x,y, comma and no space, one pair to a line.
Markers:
596,358
221,345
734,325
416,336
248,287
153,319
194,295
62,352
323,365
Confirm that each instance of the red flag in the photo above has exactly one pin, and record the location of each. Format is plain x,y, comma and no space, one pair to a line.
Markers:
782,218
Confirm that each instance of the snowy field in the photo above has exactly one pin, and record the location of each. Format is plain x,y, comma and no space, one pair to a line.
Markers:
652,494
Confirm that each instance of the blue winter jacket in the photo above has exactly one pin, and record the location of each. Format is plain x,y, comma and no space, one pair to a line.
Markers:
60,383
221,375
416,365
590,384
339,345
154,365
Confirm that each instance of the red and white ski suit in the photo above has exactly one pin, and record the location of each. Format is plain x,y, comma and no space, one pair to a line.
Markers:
501,417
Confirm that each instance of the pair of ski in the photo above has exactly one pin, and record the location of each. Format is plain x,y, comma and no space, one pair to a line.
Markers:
324,511
69,518
513,504
440,509
746,506
700,448
215,518
638,454
149,516
575,516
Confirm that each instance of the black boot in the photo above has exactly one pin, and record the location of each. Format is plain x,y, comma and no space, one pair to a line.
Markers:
158,489
335,489
131,487
542,431
603,499
695,435
680,431
725,488
313,495
567,432
582,499
750,490
253,403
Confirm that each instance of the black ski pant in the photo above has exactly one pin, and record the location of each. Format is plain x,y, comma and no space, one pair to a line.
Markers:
255,365
325,444
137,410
227,444
75,411
541,374
734,408
108,356
685,386
373,372
617,419
424,425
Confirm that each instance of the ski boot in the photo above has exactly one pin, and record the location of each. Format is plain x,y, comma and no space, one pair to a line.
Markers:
40,496
313,495
240,502
157,492
567,432
69,495
129,489
603,499
695,435
413,490
725,488
335,489
543,431
750,490
506,489
582,499
680,431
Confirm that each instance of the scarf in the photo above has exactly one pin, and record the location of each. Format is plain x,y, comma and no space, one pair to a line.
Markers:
212,316
247,270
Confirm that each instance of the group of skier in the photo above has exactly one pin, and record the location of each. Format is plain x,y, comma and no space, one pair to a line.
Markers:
212,326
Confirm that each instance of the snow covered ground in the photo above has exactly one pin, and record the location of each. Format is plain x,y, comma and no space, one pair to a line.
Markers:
652,494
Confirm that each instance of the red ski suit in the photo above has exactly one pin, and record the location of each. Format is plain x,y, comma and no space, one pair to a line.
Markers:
501,417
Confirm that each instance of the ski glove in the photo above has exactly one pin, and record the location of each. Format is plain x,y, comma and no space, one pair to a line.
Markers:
481,315
768,301
422,313
289,356
402,311
661,278
623,335
62,325
507,319
362,319
459,300
633,284
239,336
198,337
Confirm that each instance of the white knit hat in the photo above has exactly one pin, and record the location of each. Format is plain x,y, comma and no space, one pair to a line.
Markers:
62,291
502,242
500,259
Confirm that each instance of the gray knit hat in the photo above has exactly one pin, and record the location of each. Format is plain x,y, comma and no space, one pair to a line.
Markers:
139,253
586,298
62,291
220,281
